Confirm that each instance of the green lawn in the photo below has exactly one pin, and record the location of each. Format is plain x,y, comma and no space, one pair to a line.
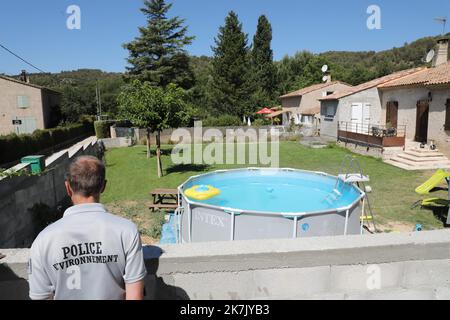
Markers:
131,176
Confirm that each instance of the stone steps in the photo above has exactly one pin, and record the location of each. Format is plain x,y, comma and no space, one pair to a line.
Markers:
414,158
420,159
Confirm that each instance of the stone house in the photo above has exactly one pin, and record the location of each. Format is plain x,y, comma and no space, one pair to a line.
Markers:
409,109
356,109
303,106
421,102
25,107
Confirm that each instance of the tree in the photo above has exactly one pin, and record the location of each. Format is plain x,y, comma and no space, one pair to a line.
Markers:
264,73
229,86
153,108
158,54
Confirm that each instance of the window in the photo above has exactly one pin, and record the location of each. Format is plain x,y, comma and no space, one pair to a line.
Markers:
447,115
307,119
23,102
330,112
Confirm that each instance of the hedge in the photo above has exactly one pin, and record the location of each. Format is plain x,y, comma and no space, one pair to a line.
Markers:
13,147
102,128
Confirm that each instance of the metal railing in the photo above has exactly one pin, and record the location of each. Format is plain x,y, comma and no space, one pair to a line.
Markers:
375,130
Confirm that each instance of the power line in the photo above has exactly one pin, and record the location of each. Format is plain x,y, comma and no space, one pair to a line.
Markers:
17,56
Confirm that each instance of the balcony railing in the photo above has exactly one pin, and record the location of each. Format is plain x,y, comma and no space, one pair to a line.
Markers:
371,135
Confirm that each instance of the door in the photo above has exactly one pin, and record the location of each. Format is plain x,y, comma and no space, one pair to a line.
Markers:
392,114
360,117
423,109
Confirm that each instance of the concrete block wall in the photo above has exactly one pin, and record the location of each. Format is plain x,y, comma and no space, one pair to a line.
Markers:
18,195
408,266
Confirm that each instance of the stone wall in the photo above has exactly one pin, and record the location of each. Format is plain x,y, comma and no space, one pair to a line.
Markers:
166,135
407,99
21,197
383,266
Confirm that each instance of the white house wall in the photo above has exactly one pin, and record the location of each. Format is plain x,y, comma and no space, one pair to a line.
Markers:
344,110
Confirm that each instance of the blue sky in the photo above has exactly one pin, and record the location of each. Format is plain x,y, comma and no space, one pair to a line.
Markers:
37,31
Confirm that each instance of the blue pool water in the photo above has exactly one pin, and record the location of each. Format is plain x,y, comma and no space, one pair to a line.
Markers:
275,191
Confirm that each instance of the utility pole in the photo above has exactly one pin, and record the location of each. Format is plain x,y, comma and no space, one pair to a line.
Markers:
99,102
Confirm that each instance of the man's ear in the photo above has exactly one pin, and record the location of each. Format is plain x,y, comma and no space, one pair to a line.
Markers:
68,189
104,186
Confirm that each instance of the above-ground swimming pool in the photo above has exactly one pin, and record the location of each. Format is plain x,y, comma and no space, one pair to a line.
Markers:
269,204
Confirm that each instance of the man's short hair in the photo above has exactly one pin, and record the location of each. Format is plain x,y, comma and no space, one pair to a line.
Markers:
86,176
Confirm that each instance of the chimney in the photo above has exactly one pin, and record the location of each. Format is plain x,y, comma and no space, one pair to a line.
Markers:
442,52
24,77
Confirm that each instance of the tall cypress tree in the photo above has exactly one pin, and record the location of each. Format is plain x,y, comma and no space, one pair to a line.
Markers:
158,54
264,73
229,88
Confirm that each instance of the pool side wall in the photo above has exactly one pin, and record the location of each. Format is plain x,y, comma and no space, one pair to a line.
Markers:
206,223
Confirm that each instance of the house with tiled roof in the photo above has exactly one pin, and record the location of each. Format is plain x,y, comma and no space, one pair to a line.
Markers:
356,109
408,109
25,107
303,106
421,102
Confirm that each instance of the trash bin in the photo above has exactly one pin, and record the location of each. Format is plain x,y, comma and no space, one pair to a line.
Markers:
37,163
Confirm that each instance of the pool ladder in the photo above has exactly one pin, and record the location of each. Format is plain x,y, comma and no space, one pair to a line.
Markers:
347,174
334,195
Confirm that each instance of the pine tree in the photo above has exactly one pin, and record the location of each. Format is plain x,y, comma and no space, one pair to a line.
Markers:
158,54
229,87
264,72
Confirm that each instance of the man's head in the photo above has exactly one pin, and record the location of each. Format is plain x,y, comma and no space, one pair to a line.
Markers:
85,180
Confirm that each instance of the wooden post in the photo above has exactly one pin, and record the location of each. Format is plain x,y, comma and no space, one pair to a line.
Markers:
158,153
148,136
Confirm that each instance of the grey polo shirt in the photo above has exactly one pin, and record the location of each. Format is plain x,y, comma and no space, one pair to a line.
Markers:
89,254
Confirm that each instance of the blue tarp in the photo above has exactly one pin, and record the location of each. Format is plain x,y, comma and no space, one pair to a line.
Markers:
169,231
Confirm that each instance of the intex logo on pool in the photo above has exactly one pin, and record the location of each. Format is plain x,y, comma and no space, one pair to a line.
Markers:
209,219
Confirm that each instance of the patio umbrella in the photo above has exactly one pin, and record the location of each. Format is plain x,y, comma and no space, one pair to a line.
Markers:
265,111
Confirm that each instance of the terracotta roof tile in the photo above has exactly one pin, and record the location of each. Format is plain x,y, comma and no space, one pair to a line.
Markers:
309,89
372,84
312,111
431,76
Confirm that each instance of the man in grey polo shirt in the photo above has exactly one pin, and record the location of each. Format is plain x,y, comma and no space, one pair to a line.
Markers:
89,254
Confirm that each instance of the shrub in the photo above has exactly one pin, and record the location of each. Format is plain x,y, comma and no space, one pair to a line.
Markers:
222,121
102,128
13,146
261,122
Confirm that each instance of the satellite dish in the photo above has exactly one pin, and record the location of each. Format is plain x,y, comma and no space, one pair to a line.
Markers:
324,68
430,56
325,79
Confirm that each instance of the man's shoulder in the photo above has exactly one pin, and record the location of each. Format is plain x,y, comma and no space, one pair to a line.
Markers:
119,221
112,221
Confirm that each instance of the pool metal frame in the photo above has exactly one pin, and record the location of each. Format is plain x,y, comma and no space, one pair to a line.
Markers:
234,212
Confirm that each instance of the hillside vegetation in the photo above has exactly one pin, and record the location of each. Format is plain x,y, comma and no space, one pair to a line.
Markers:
293,72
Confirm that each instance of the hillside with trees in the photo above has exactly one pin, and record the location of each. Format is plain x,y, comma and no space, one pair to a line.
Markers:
78,90
238,80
